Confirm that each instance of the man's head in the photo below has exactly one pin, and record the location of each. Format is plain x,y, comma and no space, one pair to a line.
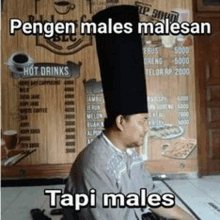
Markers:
128,130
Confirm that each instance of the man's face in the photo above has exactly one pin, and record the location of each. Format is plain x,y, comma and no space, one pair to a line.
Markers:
135,128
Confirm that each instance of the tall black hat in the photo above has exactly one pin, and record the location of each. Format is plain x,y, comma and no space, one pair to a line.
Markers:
121,63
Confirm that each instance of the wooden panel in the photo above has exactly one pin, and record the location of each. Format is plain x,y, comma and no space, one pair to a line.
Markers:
214,109
214,166
214,115
213,93
207,90
214,143
58,132
213,64
208,5
171,166
37,171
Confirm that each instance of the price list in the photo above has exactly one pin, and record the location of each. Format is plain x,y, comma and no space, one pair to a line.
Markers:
29,103
162,111
183,110
161,61
95,110
181,61
69,103
158,106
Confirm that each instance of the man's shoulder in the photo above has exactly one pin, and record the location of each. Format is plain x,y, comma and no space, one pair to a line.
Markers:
95,154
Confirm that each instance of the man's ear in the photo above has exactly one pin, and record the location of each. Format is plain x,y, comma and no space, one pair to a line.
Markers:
120,122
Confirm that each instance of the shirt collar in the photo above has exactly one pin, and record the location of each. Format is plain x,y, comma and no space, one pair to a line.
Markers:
129,151
110,143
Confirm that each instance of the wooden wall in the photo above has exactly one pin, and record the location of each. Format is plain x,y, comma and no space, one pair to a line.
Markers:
207,75
170,92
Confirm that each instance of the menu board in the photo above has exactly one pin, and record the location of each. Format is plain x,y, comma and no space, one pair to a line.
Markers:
50,101
169,75
176,66
30,105
56,106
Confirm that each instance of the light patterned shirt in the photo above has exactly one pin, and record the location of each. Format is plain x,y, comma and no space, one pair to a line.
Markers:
103,167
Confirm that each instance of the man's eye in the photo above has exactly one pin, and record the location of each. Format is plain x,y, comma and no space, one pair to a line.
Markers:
143,121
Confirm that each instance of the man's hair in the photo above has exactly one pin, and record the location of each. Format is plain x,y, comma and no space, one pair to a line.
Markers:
111,121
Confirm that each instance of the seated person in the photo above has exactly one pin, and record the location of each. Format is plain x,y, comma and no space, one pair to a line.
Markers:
110,164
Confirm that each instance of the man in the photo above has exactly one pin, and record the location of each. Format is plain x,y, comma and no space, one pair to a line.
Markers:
110,164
